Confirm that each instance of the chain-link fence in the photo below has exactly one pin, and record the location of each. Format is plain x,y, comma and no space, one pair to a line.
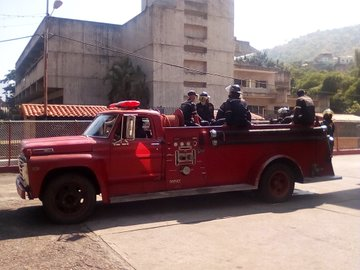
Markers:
347,135
12,132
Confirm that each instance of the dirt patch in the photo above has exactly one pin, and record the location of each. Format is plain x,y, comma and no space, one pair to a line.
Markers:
29,241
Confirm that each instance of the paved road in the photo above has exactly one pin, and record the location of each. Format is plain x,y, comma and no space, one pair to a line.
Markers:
317,229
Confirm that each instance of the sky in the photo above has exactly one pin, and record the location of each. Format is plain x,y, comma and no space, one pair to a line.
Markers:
264,23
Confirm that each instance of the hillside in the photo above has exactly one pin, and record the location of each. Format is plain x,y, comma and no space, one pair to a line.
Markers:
339,42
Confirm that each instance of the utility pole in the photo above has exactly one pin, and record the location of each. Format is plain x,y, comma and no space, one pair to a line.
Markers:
57,4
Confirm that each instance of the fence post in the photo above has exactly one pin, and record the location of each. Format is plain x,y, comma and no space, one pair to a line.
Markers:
337,139
9,141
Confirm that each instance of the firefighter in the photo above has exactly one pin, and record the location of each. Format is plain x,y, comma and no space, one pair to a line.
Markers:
330,127
189,109
304,112
234,111
285,116
204,108
139,129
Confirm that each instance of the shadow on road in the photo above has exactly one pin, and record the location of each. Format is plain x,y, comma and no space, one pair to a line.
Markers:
31,221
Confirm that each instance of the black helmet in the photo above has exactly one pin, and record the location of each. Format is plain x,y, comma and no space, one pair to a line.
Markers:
235,88
300,92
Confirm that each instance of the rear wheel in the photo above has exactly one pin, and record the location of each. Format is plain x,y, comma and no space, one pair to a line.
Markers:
69,198
277,183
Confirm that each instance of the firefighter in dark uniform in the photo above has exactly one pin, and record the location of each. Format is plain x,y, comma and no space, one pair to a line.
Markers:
204,108
234,111
330,127
304,112
189,109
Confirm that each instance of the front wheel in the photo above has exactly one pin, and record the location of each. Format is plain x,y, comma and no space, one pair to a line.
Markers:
69,198
277,183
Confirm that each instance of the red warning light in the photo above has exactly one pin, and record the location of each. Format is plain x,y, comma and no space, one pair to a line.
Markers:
125,105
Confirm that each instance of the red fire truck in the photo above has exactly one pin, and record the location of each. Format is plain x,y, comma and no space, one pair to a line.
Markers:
128,153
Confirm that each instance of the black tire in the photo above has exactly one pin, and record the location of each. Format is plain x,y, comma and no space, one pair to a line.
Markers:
277,183
69,198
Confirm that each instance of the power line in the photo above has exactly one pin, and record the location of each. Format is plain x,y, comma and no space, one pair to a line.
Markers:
18,25
13,39
129,53
21,16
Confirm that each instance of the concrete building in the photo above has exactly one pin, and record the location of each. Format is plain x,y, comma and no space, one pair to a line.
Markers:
265,89
192,41
179,44
77,64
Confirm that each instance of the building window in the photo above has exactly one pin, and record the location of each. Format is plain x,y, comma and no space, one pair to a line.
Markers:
195,84
196,6
195,49
195,67
195,13
195,31
259,110
260,84
242,83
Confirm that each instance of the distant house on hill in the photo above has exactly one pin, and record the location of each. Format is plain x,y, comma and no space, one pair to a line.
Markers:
327,61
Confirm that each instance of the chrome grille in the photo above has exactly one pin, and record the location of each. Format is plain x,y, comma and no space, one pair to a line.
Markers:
21,163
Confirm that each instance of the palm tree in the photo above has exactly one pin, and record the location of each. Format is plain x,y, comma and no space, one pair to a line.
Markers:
127,83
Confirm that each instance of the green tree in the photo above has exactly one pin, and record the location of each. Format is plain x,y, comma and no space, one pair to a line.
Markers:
353,92
9,92
354,108
311,82
260,59
127,82
331,84
338,103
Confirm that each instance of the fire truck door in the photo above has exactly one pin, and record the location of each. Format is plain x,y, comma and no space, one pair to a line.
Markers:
136,163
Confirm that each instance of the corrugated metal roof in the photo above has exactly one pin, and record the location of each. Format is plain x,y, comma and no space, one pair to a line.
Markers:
55,110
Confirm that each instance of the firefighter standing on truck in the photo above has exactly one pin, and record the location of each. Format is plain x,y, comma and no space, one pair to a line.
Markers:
189,109
330,127
304,112
204,108
234,111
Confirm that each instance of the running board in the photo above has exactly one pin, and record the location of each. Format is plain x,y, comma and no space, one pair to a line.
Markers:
181,192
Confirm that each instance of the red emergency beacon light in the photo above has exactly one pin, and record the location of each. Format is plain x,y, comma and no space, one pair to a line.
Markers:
125,105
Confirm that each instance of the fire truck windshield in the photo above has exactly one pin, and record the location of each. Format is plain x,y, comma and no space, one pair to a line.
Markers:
101,126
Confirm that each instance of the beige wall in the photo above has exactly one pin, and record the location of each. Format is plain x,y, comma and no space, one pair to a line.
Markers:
75,68
203,24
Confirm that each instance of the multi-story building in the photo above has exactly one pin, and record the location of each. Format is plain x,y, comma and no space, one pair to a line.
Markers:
179,44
